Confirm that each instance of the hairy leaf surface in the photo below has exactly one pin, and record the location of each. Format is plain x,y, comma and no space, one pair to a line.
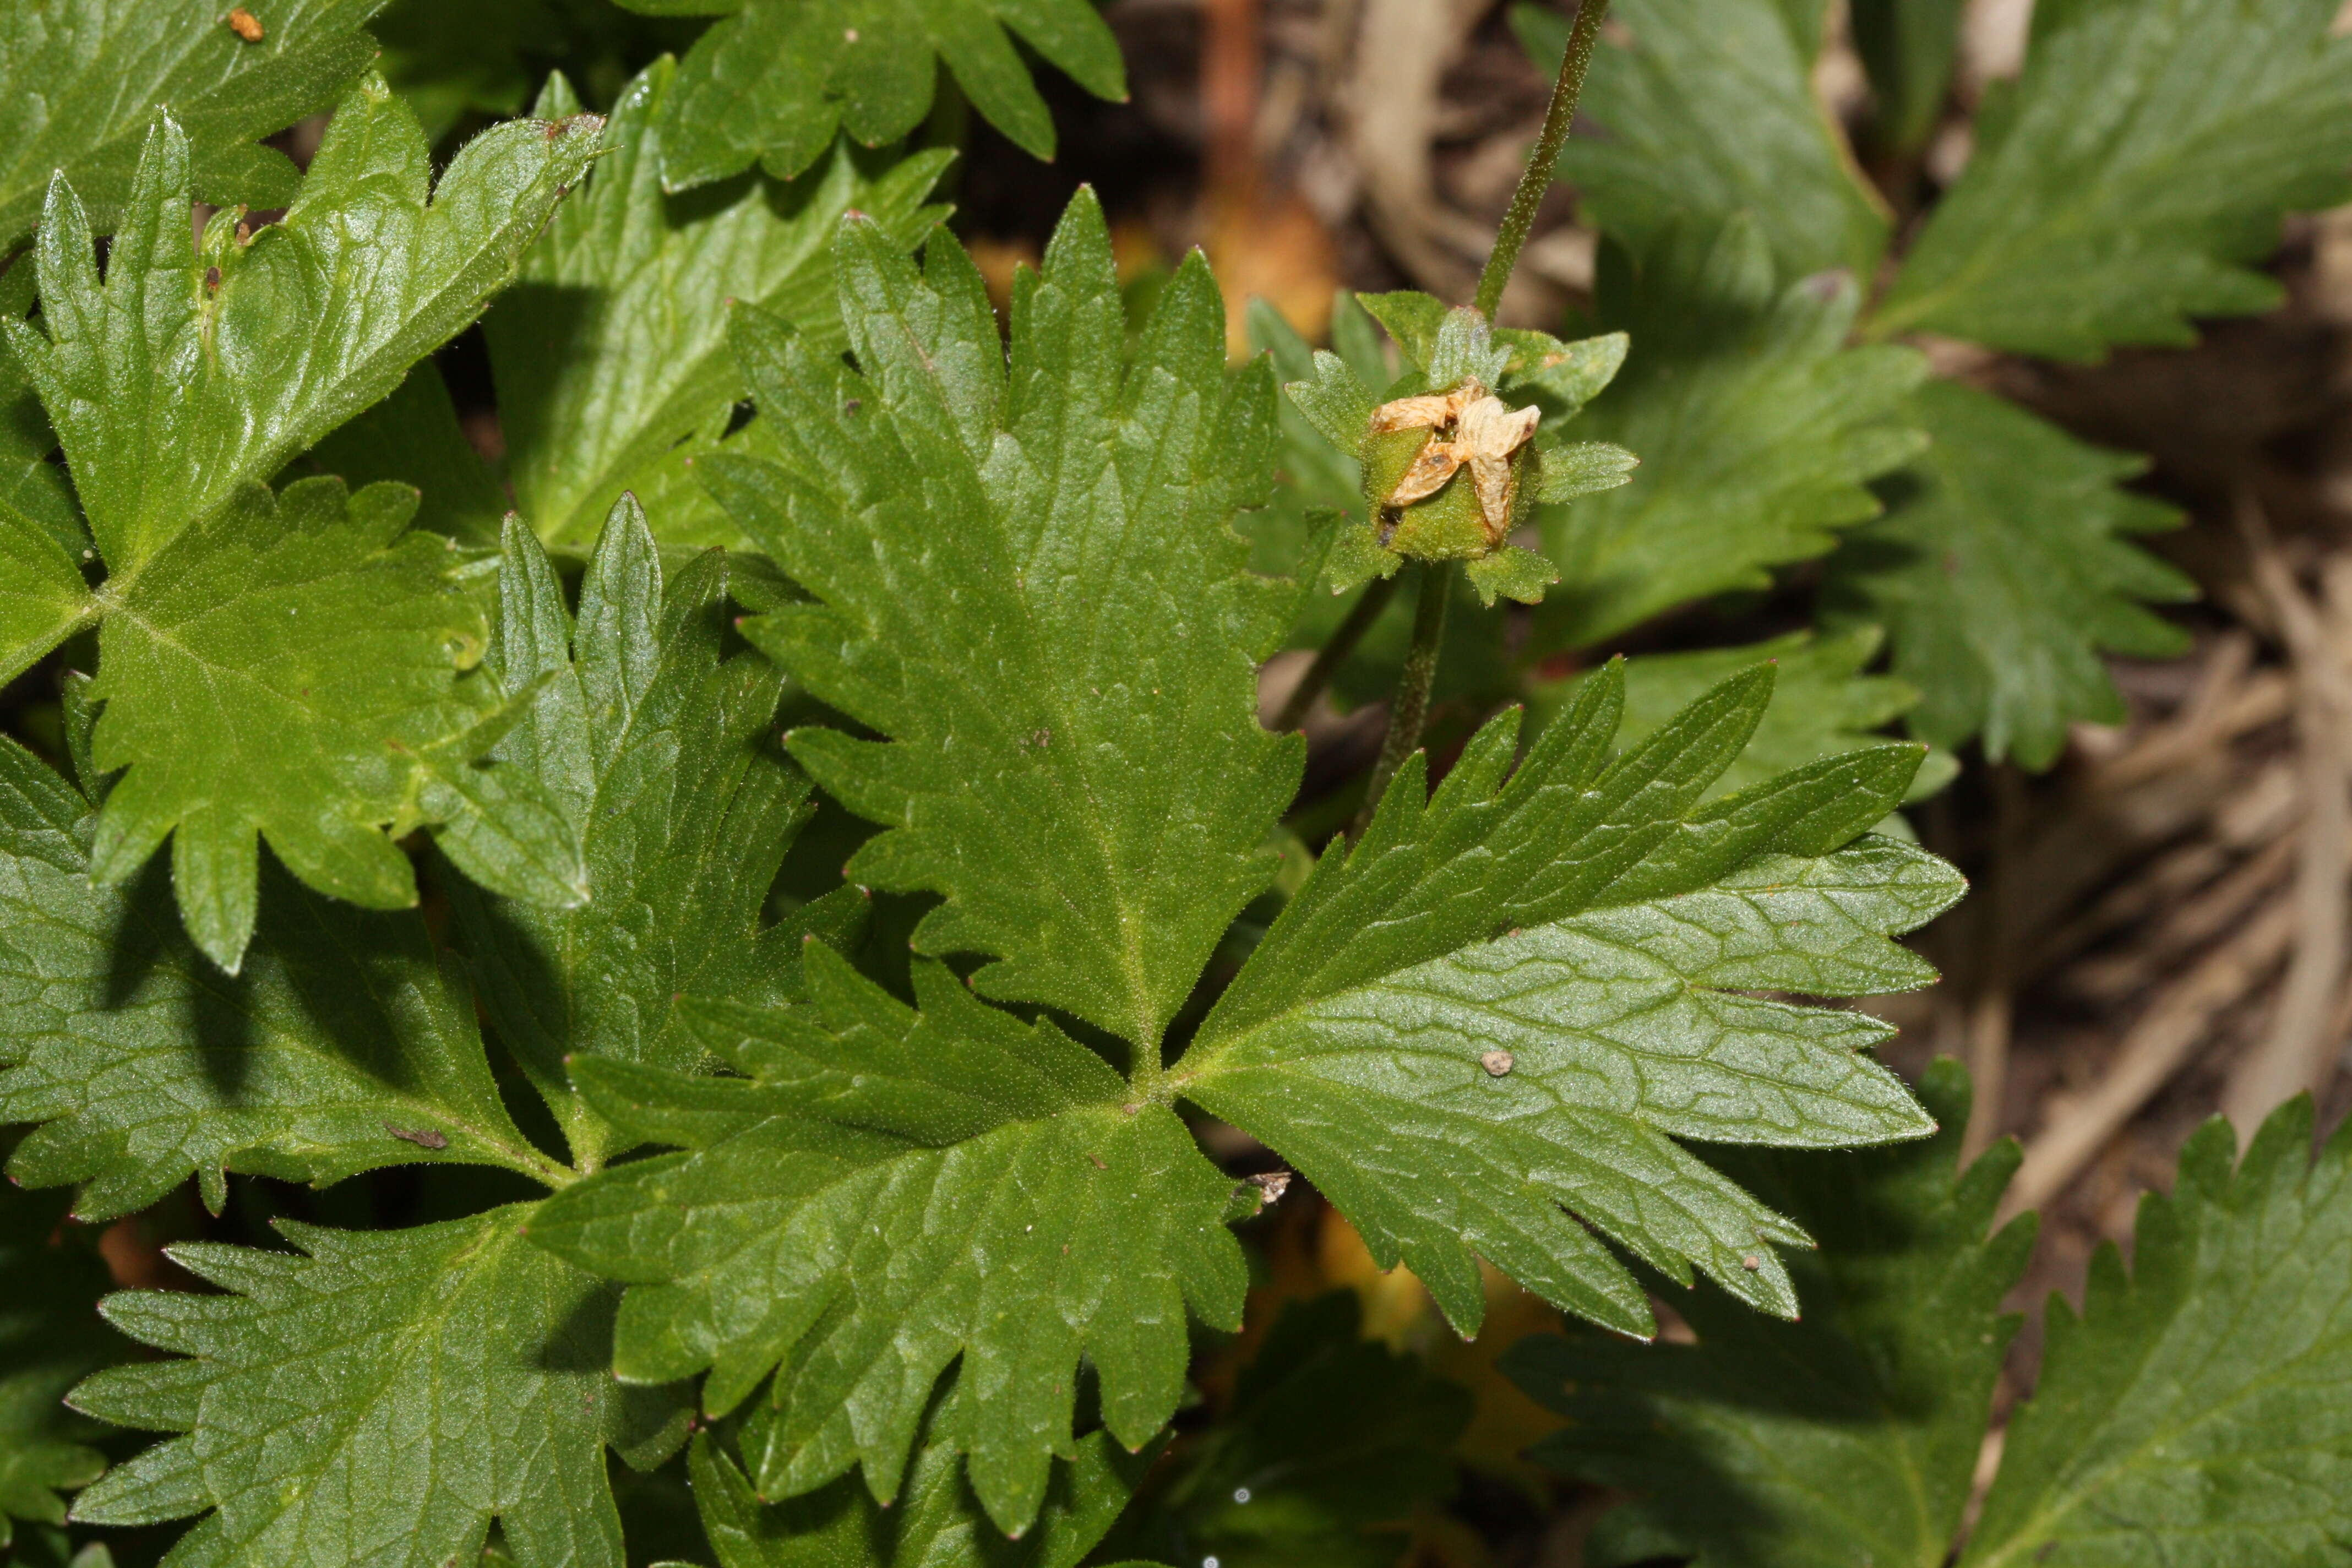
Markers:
2003,570
189,371
2200,1412
1025,578
611,348
656,750
277,665
887,1190
377,1397
1589,920
2124,184
85,77
1850,1437
148,1064
1711,114
1758,431
778,78
281,669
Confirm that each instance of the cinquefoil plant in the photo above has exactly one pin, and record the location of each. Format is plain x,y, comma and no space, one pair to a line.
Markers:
411,813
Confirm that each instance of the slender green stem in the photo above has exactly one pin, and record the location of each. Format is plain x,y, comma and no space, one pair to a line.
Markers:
1537,178
1420,673
1334,653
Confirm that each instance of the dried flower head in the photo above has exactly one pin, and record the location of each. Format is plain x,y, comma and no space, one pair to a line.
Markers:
1471,428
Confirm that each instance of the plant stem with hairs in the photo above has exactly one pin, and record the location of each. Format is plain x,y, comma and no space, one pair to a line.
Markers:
1414,682
1537,178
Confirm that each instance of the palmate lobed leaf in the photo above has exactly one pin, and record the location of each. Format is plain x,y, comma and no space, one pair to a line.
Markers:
85,77
378,1397
611,350
146,1064
322,646
775,80
1025,577
2123,185
886,1192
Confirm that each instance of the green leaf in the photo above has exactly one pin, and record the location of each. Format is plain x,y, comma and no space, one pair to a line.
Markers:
279,669
412,437
1848,1437
192,370
1711,115
1910,49
1511,1001
42,596
777,80
1027,582
50,1338
42,543
2001,573
1822,704
1758,430
340,1048
887,1190
88,76
379,1396
611,348
1330,1443
936,1522
2194,1414
655,751
2124,184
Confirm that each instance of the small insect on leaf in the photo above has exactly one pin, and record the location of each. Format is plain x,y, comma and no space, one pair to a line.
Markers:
1497,1063
246,25
422,1137
1271,1185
